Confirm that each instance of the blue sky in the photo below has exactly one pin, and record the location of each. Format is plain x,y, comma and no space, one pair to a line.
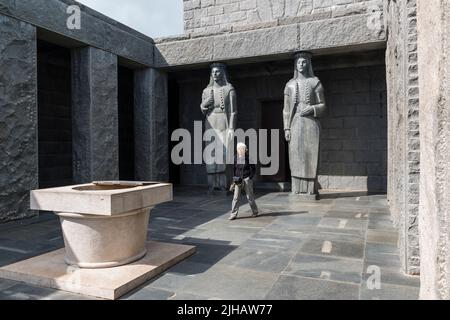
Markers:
155,18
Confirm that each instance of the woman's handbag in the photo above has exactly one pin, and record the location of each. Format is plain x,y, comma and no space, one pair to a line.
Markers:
237,181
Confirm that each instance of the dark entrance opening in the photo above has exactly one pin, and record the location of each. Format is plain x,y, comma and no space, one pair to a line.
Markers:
54,115
126,123
272,119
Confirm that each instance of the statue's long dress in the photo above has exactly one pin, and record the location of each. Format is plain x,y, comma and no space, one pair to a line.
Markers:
305,131
218,120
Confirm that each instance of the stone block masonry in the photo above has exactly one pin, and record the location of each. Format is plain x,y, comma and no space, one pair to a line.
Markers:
354,129
434,81
18,117
213,15
404,135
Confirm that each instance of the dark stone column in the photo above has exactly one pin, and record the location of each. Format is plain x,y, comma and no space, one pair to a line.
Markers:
18,118
95,115
151,125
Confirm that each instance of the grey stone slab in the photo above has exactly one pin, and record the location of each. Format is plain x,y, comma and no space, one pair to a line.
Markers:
28,247
185,52
336,234
272,241
375,250
299,288
382,236
231,283
335,248
338,214
381,210
327,268
149,293
297,218
231,237
384,260
300,231
355,208
266,260
171,204
391,276
381,224
9,257
5,284
26,292
268,42
62,295
18,118
208,251
379,216
180,295
179,276
390,292
343,223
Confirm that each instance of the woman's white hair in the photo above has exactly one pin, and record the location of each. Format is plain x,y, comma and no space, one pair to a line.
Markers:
241,145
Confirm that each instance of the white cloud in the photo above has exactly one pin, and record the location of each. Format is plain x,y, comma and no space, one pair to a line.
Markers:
155,18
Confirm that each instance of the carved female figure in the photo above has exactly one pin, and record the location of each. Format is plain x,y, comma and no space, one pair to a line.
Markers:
219,107
304,102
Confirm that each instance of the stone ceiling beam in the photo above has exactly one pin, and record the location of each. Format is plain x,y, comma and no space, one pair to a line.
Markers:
344,34
96,29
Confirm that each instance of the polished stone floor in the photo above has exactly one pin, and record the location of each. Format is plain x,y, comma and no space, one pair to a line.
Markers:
329,249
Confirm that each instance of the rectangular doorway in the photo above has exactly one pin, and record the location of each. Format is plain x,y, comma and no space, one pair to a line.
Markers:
54,115
271,117
126,123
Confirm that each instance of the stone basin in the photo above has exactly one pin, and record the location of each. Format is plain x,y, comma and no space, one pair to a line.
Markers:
104,223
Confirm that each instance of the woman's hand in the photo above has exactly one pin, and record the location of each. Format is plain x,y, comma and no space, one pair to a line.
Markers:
287,135
207,104
230,134
307,111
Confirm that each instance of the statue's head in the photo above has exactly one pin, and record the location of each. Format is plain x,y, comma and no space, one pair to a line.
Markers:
218,74
303,64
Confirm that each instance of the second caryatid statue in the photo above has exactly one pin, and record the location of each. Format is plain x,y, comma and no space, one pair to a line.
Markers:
304,102
219,107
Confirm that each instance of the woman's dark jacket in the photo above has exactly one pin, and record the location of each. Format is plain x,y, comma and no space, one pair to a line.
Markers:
246,170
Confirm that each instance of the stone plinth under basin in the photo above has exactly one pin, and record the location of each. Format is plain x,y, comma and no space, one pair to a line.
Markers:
50,270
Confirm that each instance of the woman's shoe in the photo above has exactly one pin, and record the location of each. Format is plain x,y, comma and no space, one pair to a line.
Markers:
233,217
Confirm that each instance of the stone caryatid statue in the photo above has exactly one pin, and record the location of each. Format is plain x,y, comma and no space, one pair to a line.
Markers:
219,107
304,102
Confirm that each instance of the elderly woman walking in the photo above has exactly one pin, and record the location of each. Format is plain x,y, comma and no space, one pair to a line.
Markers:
242,179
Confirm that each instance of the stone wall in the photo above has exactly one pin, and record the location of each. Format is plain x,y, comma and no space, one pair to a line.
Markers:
434,76
215,15
354,129
404,144
18,118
